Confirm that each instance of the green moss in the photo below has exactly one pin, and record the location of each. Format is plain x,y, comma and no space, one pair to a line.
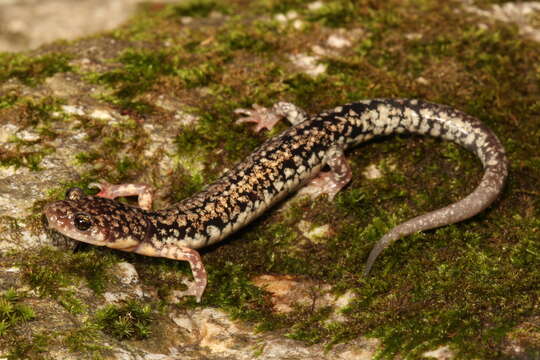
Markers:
15,339
12,311
186,184
54,273
196,8
190,141
33,70
39,113
306,90
30,348
128,321
36,114
244,39
334,13
85,157
31,160
309,325
486,3
232,290
201,141
124,165
284,6
8,100
138,72
85,340
108,160
194,76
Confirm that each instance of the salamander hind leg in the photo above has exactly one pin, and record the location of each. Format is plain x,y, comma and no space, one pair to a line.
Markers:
330,182
266,118
142,191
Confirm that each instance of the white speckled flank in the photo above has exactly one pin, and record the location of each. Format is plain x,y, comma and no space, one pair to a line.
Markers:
278,167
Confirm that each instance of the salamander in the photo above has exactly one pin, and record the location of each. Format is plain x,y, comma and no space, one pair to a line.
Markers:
280,166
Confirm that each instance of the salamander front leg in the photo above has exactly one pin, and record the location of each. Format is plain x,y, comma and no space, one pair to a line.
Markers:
142,191
197,286
330,182
268,118
182,253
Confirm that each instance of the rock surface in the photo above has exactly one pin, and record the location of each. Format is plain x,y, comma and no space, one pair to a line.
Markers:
72,125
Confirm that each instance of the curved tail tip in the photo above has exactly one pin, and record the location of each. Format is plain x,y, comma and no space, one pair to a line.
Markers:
375,251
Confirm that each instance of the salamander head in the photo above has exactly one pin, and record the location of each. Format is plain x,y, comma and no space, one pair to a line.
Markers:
97,221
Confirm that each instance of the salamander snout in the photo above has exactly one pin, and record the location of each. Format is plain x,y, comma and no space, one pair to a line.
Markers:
54,213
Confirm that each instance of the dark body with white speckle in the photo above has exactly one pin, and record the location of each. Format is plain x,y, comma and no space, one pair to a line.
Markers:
280,166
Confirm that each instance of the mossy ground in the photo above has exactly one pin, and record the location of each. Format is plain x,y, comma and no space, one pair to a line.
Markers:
474,286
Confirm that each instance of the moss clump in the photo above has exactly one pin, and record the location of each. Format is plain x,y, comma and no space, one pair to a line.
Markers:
28,159
244,39
284,6
310,325
198,75
55,273
85,157
8,100
334,13
131,320
196,8
35,114
33,70
12,311
233,290
138,72
32,348
186,185
85,340
13,314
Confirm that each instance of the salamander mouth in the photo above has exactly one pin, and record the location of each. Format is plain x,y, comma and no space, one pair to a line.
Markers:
46,224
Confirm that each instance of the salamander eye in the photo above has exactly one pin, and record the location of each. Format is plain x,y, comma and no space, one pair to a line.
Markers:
82,222
74,193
